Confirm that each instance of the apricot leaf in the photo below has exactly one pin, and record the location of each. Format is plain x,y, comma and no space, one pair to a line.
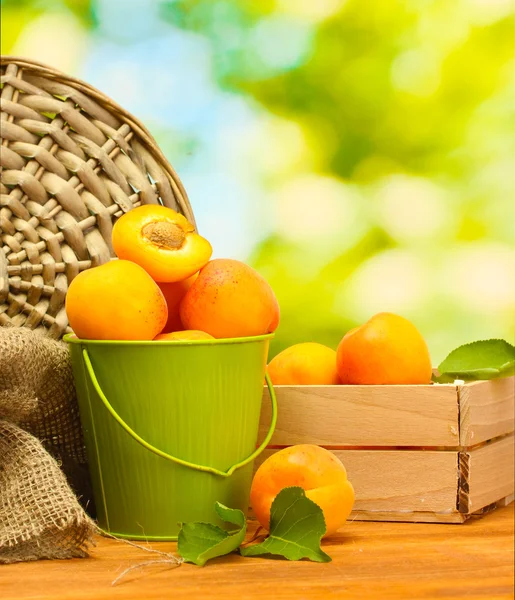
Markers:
485,359
297,525
199,542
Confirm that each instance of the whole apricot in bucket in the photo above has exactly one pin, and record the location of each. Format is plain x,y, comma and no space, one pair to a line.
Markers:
116,301
387,349
174,292
308,363
162,241
186,334
230,299
313,468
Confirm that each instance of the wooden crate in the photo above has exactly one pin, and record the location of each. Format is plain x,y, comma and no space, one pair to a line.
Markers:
434,453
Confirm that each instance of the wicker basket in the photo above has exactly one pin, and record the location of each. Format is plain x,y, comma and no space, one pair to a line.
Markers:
71,162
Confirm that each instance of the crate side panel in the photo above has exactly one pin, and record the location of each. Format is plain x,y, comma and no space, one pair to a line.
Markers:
418,415
487,474
400,481
487,410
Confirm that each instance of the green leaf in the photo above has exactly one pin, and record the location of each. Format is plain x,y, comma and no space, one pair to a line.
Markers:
485,359
297,525
199,542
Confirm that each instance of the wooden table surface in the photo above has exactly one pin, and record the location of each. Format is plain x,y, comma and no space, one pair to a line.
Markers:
387,561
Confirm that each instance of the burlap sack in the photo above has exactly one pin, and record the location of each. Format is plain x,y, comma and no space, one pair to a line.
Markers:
40,516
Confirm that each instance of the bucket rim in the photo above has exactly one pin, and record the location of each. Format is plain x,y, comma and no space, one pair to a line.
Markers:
71,338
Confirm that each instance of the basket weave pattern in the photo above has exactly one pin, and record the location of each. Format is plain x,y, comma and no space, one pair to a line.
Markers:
71,162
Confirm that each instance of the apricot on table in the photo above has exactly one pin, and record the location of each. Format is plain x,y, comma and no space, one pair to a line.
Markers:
307,363
186,334
230,299
116,301
387,349
162,241
174,292
319,472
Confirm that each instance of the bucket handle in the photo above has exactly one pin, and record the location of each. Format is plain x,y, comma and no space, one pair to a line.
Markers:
174,459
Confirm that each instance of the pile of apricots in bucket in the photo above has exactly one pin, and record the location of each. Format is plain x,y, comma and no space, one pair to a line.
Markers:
165,287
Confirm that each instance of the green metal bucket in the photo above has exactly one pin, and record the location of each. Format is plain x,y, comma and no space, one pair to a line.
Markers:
170,428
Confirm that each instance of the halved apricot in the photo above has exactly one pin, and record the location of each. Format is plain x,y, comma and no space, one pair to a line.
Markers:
162,241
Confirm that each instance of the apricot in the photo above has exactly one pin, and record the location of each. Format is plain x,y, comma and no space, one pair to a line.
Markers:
174,292
387,349
187,334
308,363
319,472
230,299
161,241
116,301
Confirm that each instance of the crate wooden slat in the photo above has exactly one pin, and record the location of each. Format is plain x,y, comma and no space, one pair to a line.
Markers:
435,453
486,410
397,482
375,415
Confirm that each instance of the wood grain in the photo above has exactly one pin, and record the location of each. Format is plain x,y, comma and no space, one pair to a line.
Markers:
400,481
373,415
487,474
376,561
487,410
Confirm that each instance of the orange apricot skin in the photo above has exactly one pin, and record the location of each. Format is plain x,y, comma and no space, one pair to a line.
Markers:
115,301
230,299
308,363
164,264
174,292
388,349
187,334
317,471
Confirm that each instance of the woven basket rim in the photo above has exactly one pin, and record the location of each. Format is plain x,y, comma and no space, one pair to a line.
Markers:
109,103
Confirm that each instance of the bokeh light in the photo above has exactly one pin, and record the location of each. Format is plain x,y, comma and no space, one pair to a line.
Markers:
361,159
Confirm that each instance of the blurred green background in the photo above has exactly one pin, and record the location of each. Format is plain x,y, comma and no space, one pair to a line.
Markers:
361,155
